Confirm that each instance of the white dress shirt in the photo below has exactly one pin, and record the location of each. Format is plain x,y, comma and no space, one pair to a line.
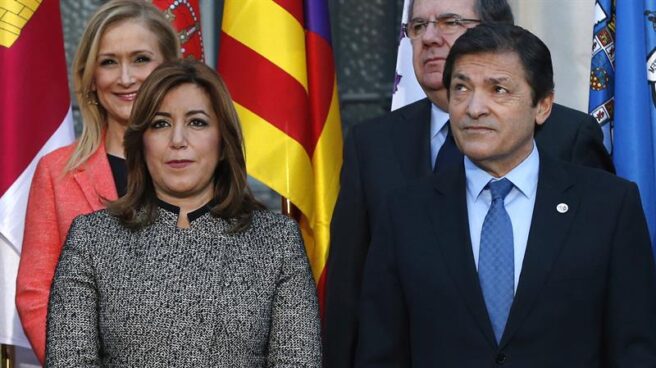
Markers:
519,203
438,131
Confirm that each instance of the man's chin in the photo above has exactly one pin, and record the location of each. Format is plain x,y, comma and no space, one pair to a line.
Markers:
432,83
436,93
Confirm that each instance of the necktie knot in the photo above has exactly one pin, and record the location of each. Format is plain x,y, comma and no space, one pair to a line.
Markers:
499,188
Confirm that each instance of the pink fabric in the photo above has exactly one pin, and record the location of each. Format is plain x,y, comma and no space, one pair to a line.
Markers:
56,198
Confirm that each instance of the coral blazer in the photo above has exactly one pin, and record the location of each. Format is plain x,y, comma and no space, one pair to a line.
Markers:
56,198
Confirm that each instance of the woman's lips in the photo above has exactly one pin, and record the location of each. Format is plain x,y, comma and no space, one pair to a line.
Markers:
129,97
178,164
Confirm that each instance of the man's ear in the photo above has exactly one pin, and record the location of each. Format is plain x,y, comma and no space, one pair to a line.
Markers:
544,108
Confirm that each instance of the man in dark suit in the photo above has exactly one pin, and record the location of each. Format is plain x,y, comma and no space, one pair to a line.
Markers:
511,257
402,146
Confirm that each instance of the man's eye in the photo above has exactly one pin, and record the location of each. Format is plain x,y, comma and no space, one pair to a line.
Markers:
451,22
500,90
418,26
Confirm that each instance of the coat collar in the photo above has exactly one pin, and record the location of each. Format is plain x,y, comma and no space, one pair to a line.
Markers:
411,139
549,229
95,179
452,237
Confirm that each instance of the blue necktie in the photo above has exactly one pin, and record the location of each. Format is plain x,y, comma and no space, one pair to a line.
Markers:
496,270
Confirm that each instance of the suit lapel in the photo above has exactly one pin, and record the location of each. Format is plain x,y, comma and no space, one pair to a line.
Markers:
411,140
95,179
452,237
549,228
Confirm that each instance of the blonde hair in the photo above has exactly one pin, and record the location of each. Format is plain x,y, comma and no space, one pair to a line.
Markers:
94,116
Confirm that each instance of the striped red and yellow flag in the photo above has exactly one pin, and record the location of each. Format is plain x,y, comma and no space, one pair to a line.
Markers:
277,60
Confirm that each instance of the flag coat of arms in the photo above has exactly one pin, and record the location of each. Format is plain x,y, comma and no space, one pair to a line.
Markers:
184,16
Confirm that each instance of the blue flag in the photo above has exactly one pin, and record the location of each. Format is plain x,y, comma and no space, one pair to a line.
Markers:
602,69
633,120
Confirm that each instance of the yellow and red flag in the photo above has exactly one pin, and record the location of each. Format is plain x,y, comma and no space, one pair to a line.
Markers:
35,118
277,60
184,16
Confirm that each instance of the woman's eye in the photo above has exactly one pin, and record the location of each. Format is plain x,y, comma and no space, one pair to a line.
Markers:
157,124
198,123
105,62
142,59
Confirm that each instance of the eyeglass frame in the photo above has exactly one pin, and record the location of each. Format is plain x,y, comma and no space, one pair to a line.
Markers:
439,22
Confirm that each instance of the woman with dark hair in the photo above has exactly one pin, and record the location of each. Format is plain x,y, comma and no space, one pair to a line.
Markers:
186,269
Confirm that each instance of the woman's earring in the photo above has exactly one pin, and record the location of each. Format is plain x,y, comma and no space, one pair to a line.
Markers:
91,98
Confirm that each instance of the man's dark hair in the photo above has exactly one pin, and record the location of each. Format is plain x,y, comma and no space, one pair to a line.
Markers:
500,38
488,11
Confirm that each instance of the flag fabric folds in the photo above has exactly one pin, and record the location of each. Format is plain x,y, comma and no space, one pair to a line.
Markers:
406,88
277,60
184,15
35,118
602,69
634,116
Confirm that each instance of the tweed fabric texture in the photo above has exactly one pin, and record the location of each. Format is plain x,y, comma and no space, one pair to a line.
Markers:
496,270
169,297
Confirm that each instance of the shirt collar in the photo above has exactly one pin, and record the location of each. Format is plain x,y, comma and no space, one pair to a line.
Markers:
524,176
439,118
193,215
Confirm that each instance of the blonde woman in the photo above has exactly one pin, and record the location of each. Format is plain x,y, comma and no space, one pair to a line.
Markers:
125,40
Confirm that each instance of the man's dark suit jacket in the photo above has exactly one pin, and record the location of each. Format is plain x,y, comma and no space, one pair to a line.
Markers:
389,152
586,296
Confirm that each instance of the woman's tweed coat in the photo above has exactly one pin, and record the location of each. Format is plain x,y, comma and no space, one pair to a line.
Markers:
170,297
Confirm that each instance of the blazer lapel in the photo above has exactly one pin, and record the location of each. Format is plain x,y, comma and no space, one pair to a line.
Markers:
411,140
452,237
549,228
95,179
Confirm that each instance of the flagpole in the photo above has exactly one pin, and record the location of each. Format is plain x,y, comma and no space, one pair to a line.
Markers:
290,210
6,356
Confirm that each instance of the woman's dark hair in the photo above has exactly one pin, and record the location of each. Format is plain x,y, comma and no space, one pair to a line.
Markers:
233,198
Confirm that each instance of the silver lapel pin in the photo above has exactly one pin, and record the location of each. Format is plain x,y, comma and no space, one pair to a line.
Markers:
562,207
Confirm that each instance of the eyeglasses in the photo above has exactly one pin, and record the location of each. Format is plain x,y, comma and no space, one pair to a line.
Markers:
447,24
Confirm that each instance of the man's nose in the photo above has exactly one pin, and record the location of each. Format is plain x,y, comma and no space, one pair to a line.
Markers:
432,34
477,105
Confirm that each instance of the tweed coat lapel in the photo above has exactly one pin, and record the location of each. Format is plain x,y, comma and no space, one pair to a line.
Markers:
411,141
95,179
549,230
452,237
